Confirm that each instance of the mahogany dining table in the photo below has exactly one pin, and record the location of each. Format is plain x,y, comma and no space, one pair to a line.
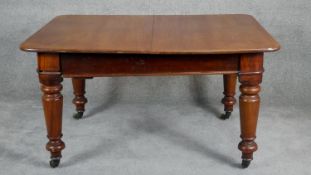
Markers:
86,46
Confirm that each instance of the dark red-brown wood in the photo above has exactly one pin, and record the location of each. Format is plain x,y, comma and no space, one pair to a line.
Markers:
81,47
89,65
250,76
79,100
50,78
158,34
229,100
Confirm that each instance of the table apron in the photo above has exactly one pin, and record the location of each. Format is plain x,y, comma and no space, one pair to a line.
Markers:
107,65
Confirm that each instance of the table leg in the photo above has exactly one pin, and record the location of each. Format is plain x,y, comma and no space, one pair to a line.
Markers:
52,101
249,109
79,100
250,76
229,92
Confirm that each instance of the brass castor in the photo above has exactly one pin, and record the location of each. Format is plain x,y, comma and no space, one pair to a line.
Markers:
245,163
225,116
54,162
78,115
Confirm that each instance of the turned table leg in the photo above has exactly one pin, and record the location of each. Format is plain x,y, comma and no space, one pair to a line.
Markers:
79,100
250,77
249,109
229,81
52,101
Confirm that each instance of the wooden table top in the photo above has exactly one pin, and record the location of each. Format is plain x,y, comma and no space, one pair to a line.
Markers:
160,34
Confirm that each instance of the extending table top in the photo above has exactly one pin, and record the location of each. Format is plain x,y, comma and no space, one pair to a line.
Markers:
159,34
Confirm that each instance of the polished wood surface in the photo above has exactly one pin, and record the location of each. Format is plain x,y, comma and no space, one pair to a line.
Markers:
229,100
251,70
103,65
52,101
193,34
79,100
81,47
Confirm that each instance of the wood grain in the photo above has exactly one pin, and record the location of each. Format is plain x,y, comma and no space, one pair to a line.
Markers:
163,34
103,65
50,77
250,77
229,100
80,47
79,100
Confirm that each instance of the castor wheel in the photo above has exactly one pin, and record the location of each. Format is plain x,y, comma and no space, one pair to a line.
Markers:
78,115
245,163
225,116
54,162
